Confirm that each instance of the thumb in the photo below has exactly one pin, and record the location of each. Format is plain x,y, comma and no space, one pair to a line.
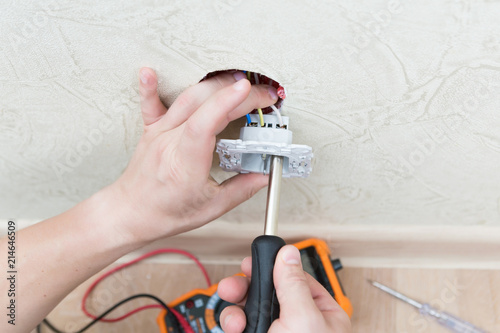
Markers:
238,189
290,282
151,106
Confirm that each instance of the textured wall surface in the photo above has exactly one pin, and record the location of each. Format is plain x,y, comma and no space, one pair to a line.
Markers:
399,100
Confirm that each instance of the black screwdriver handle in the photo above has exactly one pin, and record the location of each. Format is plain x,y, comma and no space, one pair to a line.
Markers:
262,306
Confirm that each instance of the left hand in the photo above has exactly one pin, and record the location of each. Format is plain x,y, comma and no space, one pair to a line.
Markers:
167,188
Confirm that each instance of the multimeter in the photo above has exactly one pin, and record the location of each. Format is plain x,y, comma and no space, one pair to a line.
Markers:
202,307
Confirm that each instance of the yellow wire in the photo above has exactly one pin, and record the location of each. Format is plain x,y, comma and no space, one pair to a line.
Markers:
261,116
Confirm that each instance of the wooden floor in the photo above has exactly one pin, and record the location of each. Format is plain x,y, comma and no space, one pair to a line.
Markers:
471,294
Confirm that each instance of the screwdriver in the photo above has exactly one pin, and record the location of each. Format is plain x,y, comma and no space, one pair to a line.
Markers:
262,306
445,319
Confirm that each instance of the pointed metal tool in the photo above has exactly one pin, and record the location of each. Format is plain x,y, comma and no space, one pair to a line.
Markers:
445,319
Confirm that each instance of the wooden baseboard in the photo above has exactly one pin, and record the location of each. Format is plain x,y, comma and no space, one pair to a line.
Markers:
468,247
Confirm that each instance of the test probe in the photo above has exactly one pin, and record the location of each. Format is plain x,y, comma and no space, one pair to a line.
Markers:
445,319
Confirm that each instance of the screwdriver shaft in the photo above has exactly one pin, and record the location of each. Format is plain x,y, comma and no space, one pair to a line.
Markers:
273,195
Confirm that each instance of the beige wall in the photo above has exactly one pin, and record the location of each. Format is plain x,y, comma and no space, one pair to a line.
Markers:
400,101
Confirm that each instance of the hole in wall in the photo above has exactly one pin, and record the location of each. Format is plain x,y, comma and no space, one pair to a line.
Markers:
232,131
257,78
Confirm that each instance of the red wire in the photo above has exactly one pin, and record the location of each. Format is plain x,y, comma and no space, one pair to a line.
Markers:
185,325
147,255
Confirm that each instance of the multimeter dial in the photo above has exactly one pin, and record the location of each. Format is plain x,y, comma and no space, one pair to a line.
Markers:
215,305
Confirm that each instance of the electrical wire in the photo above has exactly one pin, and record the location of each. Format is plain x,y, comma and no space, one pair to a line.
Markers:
174,315
278,114
147,255
101,316
256,77
248,119
171,313
261,117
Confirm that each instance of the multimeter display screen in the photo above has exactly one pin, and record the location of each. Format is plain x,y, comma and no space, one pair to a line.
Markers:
311,262
307,265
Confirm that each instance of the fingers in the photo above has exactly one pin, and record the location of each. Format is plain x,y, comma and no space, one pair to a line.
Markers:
291,285
192,98
233,319
151,107
306,306
197,143
236,190
333,314
246,266
234,289
322,298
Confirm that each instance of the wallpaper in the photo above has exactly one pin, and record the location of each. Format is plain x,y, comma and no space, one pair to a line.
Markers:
399,100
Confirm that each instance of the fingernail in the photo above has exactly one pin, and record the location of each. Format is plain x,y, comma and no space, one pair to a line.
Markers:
291,255
227,320
144,76
240,85
239,75
272,93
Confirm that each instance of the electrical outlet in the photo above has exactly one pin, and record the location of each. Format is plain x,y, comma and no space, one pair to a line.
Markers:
258,142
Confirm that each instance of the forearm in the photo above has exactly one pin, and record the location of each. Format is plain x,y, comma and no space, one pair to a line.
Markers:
58,254
166,189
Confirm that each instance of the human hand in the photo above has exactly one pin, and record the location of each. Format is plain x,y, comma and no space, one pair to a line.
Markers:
167,188
305,305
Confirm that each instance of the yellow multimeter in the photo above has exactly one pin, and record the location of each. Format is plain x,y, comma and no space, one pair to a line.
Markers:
202,307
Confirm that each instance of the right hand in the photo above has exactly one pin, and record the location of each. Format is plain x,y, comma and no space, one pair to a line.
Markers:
305,305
